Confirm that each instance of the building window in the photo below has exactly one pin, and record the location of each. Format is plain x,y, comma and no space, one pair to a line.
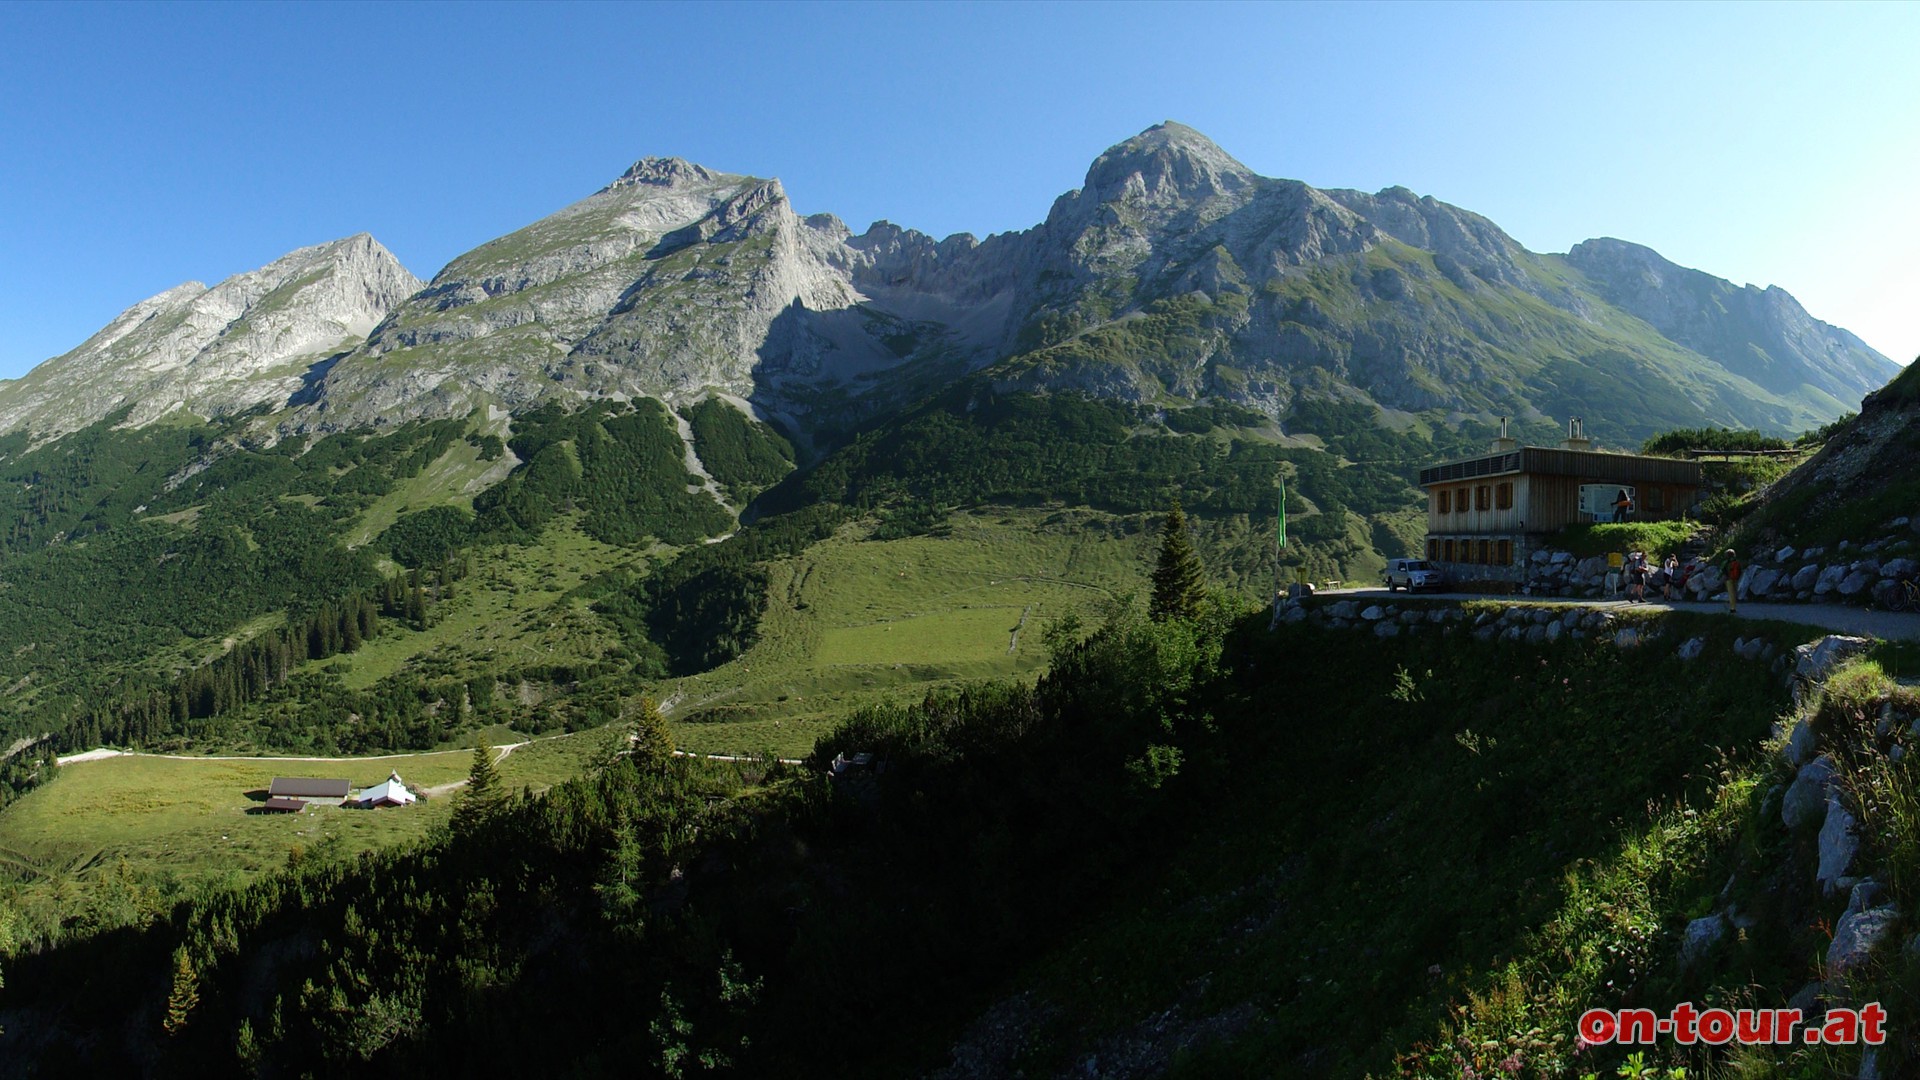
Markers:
1482,498
1480,552
1503,495
1460,501
1504,553
1446,502
1433,549
1447,552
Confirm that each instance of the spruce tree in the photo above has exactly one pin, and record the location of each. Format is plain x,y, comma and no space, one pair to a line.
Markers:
483,789
648,738
184,995
1178,580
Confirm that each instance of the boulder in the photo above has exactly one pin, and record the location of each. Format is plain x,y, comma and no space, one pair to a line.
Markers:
1536,634
1561,558
1808,793
1829,579
1627,638
1804,578
1760,582
1867,894
1706,582
1540,557
1815,660
1294,615
1800,743
1701,936
1901,567
1591,567
1386,629
1553,630
1341,610
1857,582
1855,935
1784,555
1838,844
1810,1000
1485,633
1374,613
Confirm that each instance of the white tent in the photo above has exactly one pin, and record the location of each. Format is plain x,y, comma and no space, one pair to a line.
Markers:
391,792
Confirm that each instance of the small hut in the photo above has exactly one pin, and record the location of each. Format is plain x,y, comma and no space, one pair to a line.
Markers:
308,787
390,792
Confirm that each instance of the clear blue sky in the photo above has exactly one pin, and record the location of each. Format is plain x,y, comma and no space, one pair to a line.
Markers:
145,145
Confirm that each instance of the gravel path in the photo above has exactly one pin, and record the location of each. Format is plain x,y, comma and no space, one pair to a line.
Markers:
1889,625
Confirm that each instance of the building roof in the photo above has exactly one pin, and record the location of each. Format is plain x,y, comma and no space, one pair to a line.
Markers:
278,803
389,790
309,787
1557,461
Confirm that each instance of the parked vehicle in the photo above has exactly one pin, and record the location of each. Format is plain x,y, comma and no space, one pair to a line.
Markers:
1414,574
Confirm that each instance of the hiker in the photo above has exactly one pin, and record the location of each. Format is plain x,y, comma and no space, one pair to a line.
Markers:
1637,578
1670,575
1733,580
1622,506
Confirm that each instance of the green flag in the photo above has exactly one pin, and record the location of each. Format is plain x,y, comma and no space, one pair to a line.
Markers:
1283,511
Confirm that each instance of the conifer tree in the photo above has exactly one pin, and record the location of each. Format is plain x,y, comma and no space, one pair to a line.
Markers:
185,993
650,741
1178,580
483,789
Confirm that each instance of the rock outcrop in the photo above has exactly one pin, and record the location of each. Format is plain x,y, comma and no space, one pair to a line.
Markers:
1174,272
256,338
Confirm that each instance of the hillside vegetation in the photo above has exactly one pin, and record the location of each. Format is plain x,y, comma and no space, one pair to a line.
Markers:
1179,821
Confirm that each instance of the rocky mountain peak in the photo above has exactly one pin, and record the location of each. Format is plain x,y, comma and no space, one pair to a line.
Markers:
246,341
1168,160
664,172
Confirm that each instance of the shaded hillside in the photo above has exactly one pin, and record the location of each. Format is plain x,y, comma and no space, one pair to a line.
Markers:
1163,855
1865,476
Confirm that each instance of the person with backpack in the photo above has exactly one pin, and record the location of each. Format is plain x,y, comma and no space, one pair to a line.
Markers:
1622,506
1733,581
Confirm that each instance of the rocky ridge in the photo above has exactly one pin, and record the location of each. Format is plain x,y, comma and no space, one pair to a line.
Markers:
1174,272
253,339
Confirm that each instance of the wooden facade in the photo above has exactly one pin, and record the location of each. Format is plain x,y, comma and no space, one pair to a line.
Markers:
1493,508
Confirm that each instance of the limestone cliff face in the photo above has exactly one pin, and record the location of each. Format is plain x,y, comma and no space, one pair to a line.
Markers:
250,340
1174,272
669,282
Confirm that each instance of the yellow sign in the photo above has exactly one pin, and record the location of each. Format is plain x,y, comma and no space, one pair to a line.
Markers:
1614,560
